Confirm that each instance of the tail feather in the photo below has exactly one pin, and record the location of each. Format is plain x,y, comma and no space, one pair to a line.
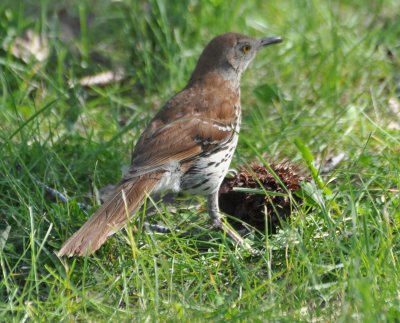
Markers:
109,218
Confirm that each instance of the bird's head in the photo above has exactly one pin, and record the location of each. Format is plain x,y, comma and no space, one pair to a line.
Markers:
230,54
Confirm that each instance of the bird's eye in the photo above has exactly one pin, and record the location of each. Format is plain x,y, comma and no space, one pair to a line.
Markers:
246,49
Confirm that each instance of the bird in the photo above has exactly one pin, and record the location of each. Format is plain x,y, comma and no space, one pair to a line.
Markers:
187,146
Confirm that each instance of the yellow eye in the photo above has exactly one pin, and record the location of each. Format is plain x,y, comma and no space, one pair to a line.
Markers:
246,49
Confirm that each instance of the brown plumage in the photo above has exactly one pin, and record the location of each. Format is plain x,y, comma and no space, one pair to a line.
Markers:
110,217
187,146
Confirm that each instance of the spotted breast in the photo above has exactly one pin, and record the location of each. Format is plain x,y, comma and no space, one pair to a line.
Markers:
209,169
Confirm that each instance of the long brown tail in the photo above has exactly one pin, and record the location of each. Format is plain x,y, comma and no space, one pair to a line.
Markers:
110,217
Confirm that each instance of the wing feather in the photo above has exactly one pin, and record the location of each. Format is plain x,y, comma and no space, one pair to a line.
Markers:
180,140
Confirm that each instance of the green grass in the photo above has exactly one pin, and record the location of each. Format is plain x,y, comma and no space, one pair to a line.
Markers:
324,91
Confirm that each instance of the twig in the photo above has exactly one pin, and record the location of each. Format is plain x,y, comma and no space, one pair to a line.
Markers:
331,164
58,195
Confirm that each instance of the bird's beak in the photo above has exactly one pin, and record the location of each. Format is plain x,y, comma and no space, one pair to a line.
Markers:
270,41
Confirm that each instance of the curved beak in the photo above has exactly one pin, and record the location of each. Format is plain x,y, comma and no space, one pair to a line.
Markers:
270,41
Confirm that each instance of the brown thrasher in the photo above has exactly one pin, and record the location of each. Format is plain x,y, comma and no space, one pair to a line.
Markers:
188,145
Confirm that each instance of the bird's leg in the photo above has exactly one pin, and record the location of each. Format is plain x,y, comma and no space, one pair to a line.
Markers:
213,211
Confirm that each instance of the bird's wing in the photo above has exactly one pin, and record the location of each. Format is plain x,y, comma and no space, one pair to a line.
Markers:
180,140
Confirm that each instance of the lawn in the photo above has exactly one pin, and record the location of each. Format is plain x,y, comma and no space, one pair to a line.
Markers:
79,81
